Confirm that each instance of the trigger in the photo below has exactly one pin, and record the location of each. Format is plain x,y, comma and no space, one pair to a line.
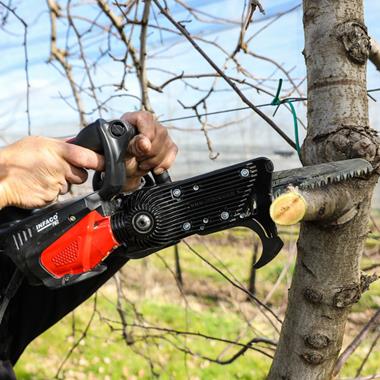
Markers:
271,245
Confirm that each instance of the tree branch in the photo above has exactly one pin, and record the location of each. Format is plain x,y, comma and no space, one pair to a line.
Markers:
143,57
374,54
351,348
187,35
61,56
331,203
26,60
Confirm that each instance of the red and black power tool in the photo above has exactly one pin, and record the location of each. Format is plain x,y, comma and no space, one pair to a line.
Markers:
67,242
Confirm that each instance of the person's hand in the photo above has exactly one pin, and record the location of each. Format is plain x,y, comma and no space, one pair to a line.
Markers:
151,149
35,170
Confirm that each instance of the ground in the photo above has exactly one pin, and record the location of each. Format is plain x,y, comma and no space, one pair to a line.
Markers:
207,304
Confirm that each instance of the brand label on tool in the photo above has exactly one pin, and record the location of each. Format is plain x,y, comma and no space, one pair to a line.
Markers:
50,222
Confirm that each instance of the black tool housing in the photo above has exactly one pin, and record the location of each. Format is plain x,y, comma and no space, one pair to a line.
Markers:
239,195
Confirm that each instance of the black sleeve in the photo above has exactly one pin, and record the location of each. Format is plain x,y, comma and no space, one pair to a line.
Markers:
36,308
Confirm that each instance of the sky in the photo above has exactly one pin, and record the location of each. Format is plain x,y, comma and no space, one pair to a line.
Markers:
47,84
51,116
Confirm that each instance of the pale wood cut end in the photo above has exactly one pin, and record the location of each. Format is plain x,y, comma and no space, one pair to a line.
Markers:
288,208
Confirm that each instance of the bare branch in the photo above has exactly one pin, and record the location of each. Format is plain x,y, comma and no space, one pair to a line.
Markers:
374,55
143,57
61,57
26,59
186,34
356,342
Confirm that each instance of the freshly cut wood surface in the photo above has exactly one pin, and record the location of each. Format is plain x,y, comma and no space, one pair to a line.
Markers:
333,203
288,208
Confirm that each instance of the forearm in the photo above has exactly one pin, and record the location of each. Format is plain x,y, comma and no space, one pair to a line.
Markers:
3,173
3,200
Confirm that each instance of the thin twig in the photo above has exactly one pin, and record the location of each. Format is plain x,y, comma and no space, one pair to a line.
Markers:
187,35
356,342
26,62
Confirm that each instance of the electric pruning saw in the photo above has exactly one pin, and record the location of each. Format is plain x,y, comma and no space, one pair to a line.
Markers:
67,242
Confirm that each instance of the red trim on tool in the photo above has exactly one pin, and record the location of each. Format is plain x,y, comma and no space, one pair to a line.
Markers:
81,248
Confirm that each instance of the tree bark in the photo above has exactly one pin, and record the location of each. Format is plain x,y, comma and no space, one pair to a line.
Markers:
327,279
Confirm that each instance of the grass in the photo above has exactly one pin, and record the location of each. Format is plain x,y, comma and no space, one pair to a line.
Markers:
102,355
211,306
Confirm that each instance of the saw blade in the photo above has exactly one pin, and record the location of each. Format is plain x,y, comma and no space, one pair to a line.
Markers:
317,176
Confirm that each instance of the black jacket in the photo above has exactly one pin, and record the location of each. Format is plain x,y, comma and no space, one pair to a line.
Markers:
36,308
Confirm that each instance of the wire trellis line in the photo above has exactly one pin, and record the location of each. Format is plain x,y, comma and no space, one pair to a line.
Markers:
229,110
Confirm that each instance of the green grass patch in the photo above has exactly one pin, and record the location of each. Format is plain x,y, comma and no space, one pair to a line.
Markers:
213,310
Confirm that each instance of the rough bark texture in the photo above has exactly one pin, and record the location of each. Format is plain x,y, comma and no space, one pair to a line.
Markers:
327,278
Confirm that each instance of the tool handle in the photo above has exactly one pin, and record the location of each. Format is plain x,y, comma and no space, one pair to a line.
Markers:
111,139
162,178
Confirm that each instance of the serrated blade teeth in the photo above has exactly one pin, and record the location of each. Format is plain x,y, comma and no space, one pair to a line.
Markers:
323,174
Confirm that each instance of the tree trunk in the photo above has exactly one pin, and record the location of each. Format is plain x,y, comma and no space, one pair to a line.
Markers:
327,278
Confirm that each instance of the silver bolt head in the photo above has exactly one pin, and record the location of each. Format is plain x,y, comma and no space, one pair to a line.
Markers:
244,173
143,222
224,215
177,193
72,218
195,187
186,226
205,220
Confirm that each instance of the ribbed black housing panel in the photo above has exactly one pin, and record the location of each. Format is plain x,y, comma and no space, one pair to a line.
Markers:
233,196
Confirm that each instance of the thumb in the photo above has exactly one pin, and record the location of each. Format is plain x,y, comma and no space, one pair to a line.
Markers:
140,146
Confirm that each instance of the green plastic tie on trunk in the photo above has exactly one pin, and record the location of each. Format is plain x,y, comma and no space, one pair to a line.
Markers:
277,102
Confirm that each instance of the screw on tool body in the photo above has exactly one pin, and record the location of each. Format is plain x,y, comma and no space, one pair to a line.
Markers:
224,215
142,223
244,173
117,129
